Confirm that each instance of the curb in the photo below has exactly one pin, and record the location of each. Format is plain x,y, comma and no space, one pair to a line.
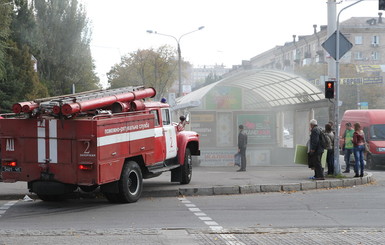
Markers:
241,189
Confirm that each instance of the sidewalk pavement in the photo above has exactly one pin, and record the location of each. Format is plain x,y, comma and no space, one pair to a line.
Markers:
224,181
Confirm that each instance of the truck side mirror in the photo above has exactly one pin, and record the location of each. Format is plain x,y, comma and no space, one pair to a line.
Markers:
187,117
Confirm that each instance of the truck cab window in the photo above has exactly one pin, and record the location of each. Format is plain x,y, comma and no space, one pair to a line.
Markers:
166,117
156,117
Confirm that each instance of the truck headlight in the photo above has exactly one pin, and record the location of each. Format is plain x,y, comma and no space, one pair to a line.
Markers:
381,149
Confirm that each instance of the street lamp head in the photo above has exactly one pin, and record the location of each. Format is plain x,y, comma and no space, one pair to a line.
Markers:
200,28
150,31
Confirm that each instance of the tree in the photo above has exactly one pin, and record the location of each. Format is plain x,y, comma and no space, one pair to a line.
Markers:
5,21
211,78
21,82
63,51
18,79
148,67
24,28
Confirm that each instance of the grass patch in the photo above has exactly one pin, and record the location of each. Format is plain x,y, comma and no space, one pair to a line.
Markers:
339,176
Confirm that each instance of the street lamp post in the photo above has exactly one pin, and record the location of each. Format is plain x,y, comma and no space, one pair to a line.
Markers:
179,53
337,166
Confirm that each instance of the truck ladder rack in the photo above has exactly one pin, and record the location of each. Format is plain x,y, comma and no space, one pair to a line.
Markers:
81,102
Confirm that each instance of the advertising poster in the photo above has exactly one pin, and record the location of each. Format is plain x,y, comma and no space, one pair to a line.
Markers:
260,128
204,124
225,129
224,98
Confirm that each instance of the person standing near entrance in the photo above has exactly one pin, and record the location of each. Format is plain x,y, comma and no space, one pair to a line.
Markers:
242,144
315,150
348,145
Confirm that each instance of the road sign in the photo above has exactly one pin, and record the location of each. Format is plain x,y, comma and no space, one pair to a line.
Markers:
363,105
330,45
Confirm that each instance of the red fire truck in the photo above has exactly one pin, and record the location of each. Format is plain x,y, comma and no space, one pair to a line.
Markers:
110,139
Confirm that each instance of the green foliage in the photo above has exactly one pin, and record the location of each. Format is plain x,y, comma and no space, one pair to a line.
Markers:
24,26
149,67
63,39
56,33
5,20
22,82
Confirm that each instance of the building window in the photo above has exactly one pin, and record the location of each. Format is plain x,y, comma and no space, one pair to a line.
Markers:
358,56
375,55
358,40
375,40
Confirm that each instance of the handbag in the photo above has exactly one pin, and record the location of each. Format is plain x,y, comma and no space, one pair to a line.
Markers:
237,159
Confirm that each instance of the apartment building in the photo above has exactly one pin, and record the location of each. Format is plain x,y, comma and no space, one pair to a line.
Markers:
367,34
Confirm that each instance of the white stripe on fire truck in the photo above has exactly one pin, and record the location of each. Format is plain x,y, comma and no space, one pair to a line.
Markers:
41,141
53,141
119,138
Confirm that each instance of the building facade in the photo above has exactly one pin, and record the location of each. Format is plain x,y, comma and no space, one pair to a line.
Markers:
199,74
367,34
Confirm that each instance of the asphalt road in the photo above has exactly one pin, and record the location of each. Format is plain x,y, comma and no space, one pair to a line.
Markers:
335,216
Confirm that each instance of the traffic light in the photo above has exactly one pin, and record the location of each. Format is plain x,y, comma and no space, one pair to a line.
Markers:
329,89
381,4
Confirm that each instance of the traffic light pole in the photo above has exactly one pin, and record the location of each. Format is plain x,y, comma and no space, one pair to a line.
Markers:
337,166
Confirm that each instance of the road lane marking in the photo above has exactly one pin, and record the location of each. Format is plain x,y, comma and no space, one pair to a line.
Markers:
6,206
205,218
194,209
214,226
200,214
211,223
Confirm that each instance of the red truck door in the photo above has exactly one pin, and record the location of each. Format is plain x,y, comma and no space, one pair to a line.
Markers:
160,148
169,133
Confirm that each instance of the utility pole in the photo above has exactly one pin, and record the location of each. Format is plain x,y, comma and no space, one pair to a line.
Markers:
180,92
332,17
337,167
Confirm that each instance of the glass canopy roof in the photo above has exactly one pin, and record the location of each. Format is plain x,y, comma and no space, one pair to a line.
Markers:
264,89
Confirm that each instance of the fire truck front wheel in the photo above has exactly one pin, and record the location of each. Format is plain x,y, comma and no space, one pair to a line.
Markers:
130,183
186,168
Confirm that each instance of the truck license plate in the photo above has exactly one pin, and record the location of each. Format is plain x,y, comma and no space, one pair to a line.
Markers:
10,169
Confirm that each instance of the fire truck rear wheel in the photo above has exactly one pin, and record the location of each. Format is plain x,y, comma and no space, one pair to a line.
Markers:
187,168
130,183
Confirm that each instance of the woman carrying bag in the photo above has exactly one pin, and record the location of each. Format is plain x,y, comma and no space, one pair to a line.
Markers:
358,150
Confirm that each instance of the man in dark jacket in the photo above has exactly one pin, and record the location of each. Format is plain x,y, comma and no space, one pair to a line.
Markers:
315,150
242,143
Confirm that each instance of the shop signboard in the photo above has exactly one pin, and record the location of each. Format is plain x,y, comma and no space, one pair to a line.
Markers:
260,128
204,123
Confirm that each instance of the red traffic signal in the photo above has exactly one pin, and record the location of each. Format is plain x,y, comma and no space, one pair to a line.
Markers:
381,4
329,89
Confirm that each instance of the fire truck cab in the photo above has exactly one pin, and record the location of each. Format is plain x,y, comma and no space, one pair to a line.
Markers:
89,143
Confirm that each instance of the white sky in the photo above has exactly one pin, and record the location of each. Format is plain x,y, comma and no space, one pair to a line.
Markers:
235,30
